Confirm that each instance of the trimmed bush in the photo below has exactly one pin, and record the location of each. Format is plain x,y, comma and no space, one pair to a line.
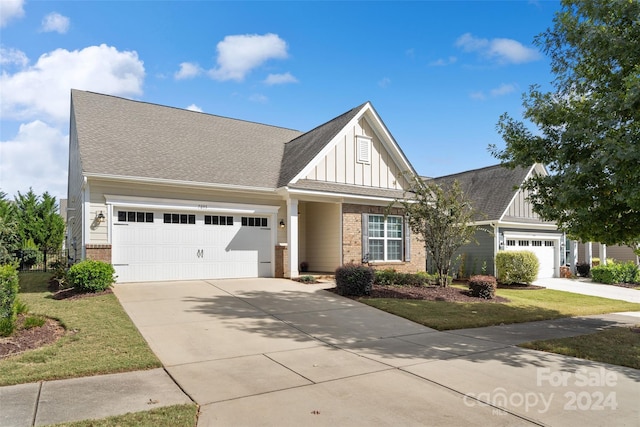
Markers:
482,286
91,276
386,277
583,269
390,277
9,286
354,280
613,273
517,266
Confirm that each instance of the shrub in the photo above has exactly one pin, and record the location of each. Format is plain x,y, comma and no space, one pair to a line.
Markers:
517,266
385,277
8,294
59,278
390,277
34,322
482,286
583,269
306,279
30,255
91,276
613,273
354,280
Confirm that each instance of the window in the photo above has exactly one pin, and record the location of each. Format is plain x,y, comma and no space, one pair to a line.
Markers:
523,243
218,220
132,216
548,243
363,149
511,242
536,243
384,238
254,222
172,218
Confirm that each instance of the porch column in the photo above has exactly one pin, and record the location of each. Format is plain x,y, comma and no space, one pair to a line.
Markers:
603,254
292,238
588,254
573,255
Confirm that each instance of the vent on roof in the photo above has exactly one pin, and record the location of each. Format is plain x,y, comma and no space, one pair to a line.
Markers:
363,149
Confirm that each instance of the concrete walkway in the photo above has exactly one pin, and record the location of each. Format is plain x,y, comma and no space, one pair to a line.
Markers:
277,352
587,287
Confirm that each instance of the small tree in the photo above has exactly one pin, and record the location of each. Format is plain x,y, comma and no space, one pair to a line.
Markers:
9,239
441,217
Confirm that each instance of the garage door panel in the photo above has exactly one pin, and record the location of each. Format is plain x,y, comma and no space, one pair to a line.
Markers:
544,249
161,251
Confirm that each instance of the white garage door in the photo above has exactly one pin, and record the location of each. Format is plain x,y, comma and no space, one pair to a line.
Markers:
164,245
545,250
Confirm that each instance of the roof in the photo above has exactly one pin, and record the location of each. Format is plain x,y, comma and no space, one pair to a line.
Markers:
491,189
121,137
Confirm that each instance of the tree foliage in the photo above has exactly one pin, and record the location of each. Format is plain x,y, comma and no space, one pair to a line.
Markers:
441,217
9,239
588,127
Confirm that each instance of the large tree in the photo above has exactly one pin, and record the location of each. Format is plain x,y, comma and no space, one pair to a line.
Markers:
588,127
441,217
9,239
39,221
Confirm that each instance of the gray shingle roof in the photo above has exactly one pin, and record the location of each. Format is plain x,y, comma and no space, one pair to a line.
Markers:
299,152
490,189
137,139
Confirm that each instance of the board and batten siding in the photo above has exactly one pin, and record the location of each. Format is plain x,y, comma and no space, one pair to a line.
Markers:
615,252
475,255
521,208
340,165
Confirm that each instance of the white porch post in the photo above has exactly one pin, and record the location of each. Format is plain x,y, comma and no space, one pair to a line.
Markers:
603,254
588,254
292,238
573,255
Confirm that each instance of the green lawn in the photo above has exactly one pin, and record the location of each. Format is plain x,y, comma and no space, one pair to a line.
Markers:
597,346
170,416
100,338
524,306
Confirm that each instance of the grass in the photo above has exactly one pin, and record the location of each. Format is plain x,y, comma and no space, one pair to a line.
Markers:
170,416
597,346
100,338
524,306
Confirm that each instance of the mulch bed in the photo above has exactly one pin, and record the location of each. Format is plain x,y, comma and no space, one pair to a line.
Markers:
72,294
427,293
32,338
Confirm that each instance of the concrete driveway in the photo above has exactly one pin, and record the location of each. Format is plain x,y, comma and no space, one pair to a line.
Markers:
277,352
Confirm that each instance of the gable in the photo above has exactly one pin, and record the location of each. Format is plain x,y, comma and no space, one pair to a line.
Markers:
520,209
362,153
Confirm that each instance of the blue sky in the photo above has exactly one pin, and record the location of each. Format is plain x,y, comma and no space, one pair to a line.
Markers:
439,73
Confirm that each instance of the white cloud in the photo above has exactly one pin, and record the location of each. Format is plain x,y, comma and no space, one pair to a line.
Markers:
187,70
258,98
46,171
384,82
54,22
43,89
503,89
504,51
13,56
194,107
479,95
279,79
443,62
10,9
239,54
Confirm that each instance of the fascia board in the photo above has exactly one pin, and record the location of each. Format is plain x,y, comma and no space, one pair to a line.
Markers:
187,205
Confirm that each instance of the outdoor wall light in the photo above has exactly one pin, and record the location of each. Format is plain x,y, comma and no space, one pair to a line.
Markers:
100,217
282,223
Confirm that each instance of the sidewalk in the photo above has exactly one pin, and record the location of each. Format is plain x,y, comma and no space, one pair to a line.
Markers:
76,399
587,287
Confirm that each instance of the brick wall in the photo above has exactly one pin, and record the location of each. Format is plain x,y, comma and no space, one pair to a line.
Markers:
352,240
282,261
99,252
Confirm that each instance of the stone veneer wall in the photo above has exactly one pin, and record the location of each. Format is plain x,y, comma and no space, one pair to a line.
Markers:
282,261
99,252
352,240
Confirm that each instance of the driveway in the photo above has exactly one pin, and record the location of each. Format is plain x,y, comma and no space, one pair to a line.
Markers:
277,352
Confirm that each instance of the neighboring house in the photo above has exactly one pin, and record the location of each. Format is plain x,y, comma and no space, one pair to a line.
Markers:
169,194
615,252
506,220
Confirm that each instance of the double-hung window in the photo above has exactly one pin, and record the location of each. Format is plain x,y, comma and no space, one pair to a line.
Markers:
383,238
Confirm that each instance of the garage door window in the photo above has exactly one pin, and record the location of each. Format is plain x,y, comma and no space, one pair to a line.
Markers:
133,216
218,220
254,222
173,218
523,243
548,243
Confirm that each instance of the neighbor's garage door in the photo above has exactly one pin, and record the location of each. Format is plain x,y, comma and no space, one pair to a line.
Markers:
545,250
160,245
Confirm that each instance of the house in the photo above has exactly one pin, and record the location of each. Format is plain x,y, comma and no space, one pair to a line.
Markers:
506,220
585,252
169,194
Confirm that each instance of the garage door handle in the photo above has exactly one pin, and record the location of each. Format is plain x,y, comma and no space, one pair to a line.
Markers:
119,265
265,262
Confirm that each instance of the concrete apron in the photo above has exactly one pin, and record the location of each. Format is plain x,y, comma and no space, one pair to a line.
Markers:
277,352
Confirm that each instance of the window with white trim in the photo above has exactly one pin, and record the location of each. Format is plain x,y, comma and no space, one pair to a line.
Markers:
363,149
385,238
